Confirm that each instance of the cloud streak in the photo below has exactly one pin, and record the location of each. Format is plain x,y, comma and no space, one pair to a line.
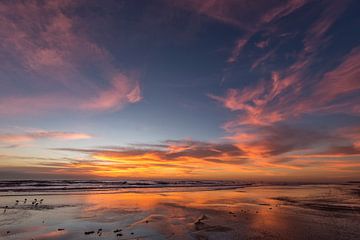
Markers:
13,138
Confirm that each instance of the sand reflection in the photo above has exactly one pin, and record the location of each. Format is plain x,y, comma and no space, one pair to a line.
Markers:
264,212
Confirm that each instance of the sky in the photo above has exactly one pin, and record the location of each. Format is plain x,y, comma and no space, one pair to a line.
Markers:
185,89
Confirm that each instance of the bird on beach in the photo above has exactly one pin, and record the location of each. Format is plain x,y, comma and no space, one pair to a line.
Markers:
6,207
41,201
16,202
25,200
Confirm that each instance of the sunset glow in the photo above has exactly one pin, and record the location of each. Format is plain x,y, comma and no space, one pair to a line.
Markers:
184,89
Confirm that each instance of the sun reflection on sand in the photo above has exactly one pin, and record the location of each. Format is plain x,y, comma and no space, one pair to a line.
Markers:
184,213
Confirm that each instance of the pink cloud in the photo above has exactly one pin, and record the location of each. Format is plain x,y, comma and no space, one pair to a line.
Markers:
32,104
260,18
342,80
256,103
262,44
120,92
263,59
281,98
49,49
240,43
316,35
14,138
260,129
243,14
249,16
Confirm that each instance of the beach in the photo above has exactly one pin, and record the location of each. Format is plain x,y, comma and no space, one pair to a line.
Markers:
258,211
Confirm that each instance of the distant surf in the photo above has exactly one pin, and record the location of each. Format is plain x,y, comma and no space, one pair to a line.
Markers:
93,185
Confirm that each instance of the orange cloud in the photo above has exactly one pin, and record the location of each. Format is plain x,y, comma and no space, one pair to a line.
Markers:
266,156
276,153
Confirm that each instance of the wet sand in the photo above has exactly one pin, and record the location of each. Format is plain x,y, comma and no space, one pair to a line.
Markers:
258,212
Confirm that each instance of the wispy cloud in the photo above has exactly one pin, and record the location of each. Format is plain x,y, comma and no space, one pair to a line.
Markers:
20,138
48,51
285,97
269,110
264,110
121,91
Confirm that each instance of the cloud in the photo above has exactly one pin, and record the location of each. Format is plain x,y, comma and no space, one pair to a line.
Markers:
49,52
265,20
120,91
263,128
250,17
52,62
339,82
171,150
315,35
284,98
342,151
262,44
276,152
242,14
184,158
12,138
268,125
258,104
239,45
